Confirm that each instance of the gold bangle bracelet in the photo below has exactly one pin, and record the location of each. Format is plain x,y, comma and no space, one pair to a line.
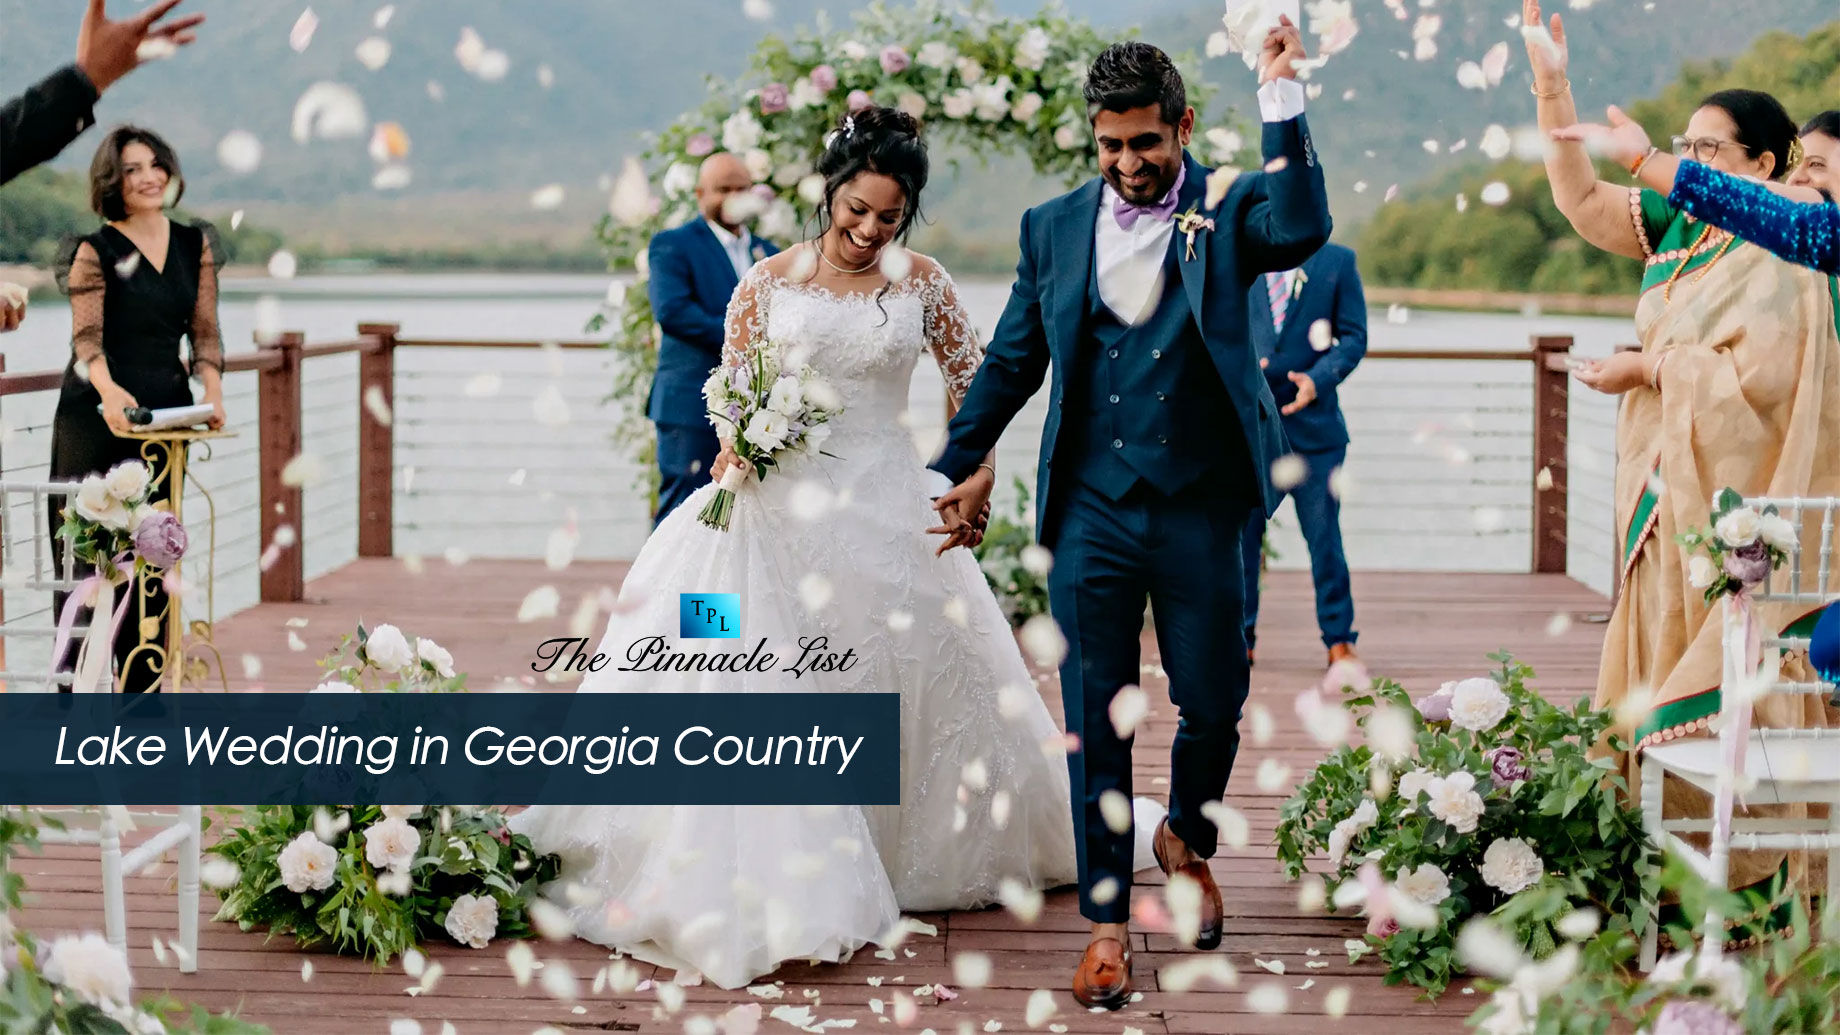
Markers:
1549,96
992,470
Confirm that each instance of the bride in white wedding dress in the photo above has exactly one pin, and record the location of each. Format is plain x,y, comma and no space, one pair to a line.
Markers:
834,545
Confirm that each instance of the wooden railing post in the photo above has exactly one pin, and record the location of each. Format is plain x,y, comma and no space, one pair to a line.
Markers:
376,442
1551,417
278,410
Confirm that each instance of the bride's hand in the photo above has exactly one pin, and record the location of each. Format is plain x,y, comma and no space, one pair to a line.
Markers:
724,460
964,511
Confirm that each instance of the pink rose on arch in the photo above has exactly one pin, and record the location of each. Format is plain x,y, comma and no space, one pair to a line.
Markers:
700,145
774,98
824,77
763,191
860,99
894,59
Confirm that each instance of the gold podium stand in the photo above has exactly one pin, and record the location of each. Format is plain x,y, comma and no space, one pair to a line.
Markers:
166,454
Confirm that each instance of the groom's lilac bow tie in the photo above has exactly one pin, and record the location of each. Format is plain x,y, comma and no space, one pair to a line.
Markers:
1127,214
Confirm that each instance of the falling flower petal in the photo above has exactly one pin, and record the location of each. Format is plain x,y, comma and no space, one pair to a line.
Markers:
1288,471
1041,1008
301,35
239,151
541,602
1470,76
1128,708
1273,775
552,410
631,203
1263,725
1219,182
1115,809
1335,1002
547,197
1321,335
815,591
1495,194
282,265
971,969
1042,638
374,53
330,111
1268,998
896,263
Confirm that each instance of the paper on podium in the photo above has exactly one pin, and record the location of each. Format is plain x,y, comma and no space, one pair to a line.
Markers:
176,417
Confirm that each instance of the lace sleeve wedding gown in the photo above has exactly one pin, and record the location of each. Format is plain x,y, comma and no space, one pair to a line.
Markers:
832,545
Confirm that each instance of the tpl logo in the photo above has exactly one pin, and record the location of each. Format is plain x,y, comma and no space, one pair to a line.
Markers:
709,616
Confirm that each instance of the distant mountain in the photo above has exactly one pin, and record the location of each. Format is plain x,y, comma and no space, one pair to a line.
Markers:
620,67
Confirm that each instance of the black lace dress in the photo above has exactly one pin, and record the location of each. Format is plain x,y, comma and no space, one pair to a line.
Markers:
134,315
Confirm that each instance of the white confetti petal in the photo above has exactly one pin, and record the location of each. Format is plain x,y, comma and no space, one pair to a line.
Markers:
1263,725
1128,708
631,202
541,602
1273,776
1335,1002
1235,830
1288,472
1188,973
1042,638
330,111
1321,335
551,409
1041,1008
815,591
547,197
304,470
1115,809
301,35
282,265
1495,193
374,53
896,263
1268,998
239,151
971,969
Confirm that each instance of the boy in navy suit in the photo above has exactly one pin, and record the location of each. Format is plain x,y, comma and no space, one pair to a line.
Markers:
1310,328
694,270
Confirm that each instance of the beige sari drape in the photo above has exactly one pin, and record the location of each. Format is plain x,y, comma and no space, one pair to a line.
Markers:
1749,398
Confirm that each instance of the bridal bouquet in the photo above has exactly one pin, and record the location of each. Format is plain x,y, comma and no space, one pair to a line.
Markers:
764,409
1460,805
1742,548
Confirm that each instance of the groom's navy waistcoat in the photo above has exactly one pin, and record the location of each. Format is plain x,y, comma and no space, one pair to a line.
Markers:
1150,396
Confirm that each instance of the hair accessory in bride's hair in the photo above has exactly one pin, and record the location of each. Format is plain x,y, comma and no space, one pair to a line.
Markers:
849,126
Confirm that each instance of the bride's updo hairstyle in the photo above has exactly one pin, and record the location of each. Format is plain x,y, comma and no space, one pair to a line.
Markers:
875,140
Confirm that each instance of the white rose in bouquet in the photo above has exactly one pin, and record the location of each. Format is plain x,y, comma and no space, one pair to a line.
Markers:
388,649
1414,783
92,968
766,430
333,686
400,811
436,655
815,437
1777,532
787,397
1454,800
1510,864
391,844
308,864
1701,572
128,481
1740,527
472,920
1427,884
1478,704
95,503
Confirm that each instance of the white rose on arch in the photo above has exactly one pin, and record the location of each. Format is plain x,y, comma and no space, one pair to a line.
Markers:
1032,49
959,104
1027,106
741,132
679,180
759,164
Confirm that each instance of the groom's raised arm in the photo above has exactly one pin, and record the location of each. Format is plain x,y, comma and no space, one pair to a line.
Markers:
1282,217
1014,363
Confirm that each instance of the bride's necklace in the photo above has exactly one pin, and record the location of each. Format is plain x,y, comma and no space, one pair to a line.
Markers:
848,273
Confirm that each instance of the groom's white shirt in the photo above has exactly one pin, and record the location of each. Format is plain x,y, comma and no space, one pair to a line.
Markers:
1130,261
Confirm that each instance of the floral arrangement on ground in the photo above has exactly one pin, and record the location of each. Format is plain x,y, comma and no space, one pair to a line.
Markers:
1457,806
378,880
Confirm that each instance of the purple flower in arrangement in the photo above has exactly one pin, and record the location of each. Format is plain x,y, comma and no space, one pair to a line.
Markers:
1382,927
160,540
734,412
774,98
860,99
1436,706
763,191
1506,765
895,59
1749,564
700,145
1695,1017
824,77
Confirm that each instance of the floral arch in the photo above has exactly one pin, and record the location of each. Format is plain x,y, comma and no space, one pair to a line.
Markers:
976,79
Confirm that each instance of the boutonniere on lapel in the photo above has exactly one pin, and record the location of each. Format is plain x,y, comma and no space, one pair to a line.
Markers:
1191,223
1298,282
760,252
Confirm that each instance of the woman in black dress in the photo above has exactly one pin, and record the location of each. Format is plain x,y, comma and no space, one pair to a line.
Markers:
137,286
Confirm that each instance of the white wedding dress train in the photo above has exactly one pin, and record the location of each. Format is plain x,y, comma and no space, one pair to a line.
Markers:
833,546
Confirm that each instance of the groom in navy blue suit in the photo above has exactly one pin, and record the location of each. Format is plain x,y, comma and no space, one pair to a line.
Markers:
1159,433
694,270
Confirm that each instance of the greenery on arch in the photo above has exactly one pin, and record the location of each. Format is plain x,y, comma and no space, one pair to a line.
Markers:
977,80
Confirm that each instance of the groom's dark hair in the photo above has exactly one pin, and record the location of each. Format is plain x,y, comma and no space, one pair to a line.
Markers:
1134,74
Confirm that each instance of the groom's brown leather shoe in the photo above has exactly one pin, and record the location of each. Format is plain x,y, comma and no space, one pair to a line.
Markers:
1104,978
1211,909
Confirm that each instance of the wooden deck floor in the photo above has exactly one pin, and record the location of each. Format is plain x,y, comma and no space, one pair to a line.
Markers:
1419,629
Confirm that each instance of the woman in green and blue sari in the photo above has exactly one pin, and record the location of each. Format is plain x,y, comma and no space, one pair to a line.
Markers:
1737,384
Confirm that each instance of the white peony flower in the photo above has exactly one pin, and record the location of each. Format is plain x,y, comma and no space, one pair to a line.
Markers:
1032,49
1777,531
391,844
1510,865
766,430
759,164
1338,842
936,54
472,920
308,864
1478,704
969,71
1414,783
853,50
400,811
804,94
1739,528
1701,572
1454,800
679,180
436,655
127,481
333,686
388,649
92,968
959,104
1026,107
95,503
1427,884
992,99
741,132
1069,137
787,397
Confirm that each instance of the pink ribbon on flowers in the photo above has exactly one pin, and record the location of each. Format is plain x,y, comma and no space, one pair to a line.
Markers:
1732,755
80,597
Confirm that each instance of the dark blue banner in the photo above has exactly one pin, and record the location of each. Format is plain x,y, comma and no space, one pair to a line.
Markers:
450,749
